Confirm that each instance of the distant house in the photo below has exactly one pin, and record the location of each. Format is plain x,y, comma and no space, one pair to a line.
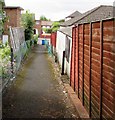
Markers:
98,13
73,15
40,25
37,27
46,24
13,14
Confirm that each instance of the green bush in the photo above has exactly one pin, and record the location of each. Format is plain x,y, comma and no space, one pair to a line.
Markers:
5,50
28,22
35,38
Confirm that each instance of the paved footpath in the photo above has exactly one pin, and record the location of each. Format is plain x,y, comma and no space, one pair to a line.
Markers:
36,93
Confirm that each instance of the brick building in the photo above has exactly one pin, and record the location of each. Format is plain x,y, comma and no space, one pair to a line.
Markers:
14,17
39,25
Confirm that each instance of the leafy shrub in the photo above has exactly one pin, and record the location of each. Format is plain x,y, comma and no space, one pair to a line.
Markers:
35,38
28,22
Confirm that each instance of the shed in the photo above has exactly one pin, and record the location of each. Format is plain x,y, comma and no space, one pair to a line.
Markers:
63,43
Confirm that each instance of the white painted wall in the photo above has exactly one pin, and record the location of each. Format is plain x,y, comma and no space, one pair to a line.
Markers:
68,65
60,47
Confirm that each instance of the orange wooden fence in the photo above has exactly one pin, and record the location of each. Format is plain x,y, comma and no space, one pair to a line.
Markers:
93,67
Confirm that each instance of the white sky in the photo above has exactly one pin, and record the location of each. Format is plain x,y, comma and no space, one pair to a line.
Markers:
57,9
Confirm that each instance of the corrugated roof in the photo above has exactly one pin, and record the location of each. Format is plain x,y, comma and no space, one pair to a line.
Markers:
98,13
67,31
13,7
75,14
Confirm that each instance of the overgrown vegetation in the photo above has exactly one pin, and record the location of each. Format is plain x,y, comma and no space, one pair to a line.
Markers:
54,28
4,58
28,21
35,38
4,50
2,16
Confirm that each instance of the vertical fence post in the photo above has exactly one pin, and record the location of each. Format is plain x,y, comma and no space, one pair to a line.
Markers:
83,70
78,61
90,56
12,60
75,60
101,67
71,58
63,62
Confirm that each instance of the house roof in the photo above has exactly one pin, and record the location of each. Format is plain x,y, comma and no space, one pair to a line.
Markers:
98,13
13,7
75,14
46,23
66,31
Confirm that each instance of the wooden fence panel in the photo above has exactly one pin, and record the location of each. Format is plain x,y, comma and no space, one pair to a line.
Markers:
76,63
108,104
80,45
95,70
93,67
86,65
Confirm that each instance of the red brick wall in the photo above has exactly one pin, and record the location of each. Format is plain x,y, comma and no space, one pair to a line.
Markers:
53,39
14,18
38,26
18,17
86,78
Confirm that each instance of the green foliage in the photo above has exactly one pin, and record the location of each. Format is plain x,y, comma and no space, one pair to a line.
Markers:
4,50
43,18
35,38
47,30
28,22
2,15
55,26
62,20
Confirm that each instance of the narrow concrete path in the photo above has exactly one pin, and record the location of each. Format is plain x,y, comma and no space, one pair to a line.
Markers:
36,93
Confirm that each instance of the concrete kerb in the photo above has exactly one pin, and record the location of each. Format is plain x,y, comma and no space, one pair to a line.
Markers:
80,110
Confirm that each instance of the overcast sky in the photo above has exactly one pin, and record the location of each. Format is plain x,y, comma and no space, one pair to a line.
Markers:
57,9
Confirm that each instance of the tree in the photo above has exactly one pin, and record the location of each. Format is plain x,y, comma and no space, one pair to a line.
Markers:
43,18
28,21
55,26
62,20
